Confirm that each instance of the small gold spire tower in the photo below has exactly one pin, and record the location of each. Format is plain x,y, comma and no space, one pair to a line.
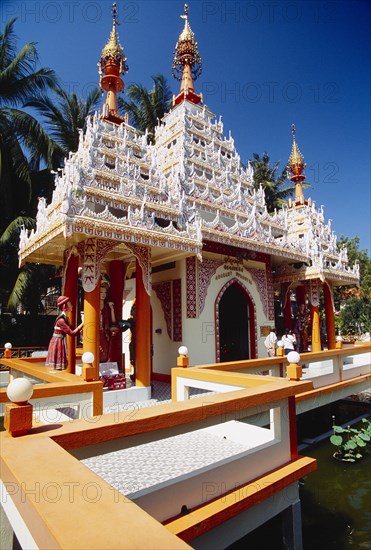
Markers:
296,166
112,65
187,64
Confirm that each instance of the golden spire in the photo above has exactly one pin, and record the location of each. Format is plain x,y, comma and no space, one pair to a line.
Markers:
296,165
187,64
112,65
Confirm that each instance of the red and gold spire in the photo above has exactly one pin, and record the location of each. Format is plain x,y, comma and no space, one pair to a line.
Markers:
187,64
296,166
112,65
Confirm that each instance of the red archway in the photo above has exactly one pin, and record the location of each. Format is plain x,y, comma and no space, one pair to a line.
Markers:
235,323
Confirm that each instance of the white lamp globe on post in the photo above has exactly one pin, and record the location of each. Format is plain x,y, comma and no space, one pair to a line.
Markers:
8,350
88,369
18,415
293,357
339,342
280,352
19,391
293,370
88,358
182,359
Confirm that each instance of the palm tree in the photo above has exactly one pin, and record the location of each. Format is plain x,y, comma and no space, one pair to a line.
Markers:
267,175
21,136
64,115
147,107
24,145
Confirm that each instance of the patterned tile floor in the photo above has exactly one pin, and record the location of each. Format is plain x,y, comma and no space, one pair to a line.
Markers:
161,393
183,453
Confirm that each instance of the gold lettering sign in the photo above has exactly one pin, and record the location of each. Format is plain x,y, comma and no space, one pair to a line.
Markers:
264,331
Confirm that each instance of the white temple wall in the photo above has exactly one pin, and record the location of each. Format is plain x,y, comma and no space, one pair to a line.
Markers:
129,295
199,333
165,349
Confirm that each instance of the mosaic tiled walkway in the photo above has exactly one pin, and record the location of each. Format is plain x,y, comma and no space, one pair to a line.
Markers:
161,393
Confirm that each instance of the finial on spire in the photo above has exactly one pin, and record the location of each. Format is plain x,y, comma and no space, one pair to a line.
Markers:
114,14
187,64
112,65
296,166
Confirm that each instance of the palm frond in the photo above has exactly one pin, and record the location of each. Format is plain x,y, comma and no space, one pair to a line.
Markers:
11,232
7,44
276,187
147,107
22,285
65,115
33,136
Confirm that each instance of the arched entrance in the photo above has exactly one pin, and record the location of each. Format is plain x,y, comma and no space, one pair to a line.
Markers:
235,323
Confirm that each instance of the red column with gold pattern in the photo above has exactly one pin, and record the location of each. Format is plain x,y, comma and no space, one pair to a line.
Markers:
300,295
330,317
70,290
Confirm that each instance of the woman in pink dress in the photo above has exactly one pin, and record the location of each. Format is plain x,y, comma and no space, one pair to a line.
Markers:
57,351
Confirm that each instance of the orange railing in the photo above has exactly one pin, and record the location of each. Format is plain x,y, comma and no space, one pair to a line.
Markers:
55,388
25,351
325,368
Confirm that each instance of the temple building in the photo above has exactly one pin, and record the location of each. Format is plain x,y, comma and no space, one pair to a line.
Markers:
191,253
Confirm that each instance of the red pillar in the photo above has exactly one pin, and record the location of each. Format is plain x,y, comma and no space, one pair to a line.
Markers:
91,325
70,290
142,332
330,317
293,428
286,301
300,295
117,274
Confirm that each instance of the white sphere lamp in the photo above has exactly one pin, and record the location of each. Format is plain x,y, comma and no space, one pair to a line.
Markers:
182,360
88,369
293,357
293,370
88,357
19,390
8,350
279,351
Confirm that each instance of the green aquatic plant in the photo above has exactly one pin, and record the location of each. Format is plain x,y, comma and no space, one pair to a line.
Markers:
350,441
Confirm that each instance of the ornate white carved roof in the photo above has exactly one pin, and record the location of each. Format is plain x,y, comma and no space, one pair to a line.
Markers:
187,188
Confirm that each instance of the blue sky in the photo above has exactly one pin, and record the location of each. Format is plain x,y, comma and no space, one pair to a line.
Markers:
266,64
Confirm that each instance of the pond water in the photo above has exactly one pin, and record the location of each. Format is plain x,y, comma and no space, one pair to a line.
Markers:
335,499
336,502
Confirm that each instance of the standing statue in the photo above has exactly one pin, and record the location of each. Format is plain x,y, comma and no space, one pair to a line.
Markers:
57,350
129,324
301,328
108,325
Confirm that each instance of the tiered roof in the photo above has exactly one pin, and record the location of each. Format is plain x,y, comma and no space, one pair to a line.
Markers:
189,188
